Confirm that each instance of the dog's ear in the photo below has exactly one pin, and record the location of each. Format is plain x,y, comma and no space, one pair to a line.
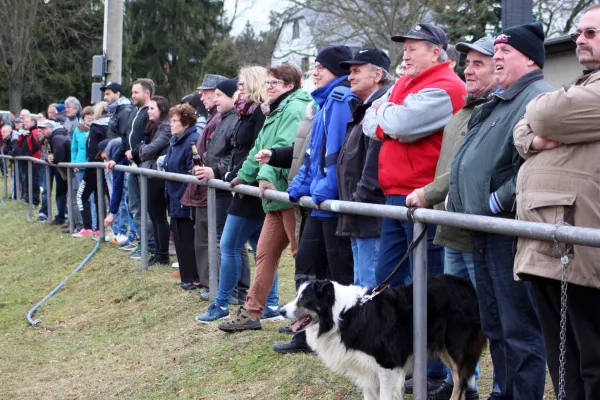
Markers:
326,292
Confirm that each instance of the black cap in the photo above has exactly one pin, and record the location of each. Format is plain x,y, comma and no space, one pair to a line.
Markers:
102,145
228,86
368,56
528,39
331,57
114,86
424,31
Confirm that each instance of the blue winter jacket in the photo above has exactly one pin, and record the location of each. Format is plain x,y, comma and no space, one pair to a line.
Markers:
317,175
179,160
78,146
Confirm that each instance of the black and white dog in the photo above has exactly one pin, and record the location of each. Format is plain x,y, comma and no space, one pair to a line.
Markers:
373,342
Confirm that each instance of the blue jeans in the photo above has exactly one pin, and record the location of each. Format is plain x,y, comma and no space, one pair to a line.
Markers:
509,320
79,175
123,222
135,204
238,231
365,252
396,236
460,263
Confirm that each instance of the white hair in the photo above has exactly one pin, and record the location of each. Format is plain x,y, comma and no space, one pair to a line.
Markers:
73,101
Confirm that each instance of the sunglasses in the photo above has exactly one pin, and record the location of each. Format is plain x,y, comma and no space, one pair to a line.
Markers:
589,33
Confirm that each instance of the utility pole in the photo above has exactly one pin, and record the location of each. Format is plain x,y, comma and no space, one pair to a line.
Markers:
516,12
113,39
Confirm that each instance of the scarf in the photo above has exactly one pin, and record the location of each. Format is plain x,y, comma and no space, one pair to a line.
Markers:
242,107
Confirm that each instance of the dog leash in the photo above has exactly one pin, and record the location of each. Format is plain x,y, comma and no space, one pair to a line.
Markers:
385,284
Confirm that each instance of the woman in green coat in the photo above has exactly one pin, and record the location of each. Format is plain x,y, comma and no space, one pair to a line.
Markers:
287,103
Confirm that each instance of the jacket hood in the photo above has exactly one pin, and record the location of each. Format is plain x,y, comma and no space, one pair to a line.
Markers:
102,121
184,135
321,94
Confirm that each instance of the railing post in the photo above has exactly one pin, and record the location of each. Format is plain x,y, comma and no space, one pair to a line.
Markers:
30,187
48,190
144,220
69,201
17,181
100,201
420,315
213,261
6,172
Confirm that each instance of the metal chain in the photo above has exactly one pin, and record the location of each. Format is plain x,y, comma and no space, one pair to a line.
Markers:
564,260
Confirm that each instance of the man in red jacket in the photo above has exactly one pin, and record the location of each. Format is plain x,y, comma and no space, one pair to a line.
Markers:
410,120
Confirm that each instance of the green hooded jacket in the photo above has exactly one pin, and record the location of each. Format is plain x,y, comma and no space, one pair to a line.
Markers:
279,130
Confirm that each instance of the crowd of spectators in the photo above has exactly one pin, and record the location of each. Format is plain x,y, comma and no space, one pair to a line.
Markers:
487,146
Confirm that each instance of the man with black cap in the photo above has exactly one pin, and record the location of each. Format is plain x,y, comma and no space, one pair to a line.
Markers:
410,120
357,163
483,182
458,257
560,139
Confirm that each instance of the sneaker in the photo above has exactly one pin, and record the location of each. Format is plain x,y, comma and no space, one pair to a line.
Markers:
296,345
129,246
271,313
241,322
42,218
137,253
175,265
444,392
204,294
97,234
214,313
83,233
156,260
286,330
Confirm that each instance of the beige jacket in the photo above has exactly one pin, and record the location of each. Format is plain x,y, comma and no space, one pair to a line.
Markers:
561,184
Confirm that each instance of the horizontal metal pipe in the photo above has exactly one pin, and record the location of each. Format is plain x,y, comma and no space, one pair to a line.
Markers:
532,230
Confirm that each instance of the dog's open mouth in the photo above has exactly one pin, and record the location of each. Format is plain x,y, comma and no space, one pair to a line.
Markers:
301,323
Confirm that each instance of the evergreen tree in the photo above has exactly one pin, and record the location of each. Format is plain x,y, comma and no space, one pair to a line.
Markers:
468,20
223,60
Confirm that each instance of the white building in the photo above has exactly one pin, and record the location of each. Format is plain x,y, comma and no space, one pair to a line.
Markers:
303,35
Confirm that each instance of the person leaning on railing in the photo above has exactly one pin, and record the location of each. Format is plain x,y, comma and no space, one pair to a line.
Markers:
179,160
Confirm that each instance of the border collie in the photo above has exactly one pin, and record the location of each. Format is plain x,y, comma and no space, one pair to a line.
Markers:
373,342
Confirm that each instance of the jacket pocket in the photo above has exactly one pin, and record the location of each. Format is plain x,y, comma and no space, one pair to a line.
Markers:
550,208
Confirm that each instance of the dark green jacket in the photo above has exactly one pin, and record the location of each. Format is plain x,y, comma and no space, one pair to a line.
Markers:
487,163
435,193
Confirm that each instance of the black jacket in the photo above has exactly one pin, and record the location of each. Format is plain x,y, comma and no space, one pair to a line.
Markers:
60,144
357,173
282,157
98,132
159,145
220,146
138,134
244,135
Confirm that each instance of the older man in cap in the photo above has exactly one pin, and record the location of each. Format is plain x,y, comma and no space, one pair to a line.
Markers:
458,258
410,120
482,182
559,183
357,162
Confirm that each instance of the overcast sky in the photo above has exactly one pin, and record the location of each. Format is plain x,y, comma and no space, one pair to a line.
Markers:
257,14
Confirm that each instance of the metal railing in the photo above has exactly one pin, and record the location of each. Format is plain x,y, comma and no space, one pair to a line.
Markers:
531,230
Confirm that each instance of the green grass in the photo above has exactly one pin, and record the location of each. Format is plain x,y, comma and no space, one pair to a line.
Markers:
116,332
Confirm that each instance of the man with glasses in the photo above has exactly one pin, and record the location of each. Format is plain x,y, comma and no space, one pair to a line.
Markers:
559,183
482,182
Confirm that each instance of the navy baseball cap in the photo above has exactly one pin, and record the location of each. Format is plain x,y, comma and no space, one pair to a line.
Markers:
485,46
425,31
114,86
368,56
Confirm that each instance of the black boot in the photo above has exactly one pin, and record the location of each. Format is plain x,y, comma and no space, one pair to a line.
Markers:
296,345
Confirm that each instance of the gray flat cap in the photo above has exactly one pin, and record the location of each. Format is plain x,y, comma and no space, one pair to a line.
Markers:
211,81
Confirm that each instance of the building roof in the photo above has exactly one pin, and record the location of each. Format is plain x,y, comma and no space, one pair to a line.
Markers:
559,44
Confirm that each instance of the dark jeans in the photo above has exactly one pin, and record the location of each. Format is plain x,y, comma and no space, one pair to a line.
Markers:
223,201
157,208
183,237
87,188
322,254
60,194
396,236
509,320
35,181
582,350
135,206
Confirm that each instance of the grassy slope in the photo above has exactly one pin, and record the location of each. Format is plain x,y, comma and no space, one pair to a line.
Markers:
115,332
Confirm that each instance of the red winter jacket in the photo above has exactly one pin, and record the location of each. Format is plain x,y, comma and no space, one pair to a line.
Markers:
410,121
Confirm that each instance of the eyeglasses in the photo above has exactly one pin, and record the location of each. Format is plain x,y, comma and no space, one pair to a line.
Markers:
319,67
241,84
589,33
273,83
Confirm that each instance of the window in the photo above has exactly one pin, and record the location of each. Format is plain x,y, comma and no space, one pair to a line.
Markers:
296,30
304,64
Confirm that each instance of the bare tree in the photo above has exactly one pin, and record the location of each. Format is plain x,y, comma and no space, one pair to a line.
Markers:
17,21
559,16
371,22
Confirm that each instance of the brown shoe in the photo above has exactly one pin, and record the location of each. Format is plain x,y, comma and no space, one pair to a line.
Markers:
242,321
175,274
65,225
